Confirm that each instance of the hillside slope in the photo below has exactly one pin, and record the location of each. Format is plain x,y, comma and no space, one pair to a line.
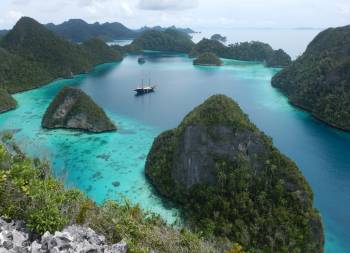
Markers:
34,56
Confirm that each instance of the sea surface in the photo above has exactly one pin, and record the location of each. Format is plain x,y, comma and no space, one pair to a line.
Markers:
111,165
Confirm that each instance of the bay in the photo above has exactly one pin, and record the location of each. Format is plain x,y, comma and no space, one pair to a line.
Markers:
111,165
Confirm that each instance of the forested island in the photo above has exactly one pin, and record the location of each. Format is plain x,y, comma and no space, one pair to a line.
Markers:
31,56
207,59
231,181
319,80
168,40
73,109
245,51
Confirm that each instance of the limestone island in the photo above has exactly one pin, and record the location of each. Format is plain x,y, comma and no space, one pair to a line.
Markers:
73,109
231,182
7,102
207,59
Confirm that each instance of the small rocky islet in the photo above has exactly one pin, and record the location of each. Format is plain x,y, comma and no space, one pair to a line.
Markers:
73,109
231,181
207,59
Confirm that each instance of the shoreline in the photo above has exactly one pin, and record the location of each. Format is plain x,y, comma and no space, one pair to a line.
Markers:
64,78
318,118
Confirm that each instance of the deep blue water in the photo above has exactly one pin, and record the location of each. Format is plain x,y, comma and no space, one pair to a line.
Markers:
93,162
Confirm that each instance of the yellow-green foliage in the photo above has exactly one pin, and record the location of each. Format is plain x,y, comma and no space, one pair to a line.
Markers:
236,249
28,192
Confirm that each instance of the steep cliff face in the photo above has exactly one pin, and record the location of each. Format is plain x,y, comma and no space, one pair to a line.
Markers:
198,147
73,109
231,181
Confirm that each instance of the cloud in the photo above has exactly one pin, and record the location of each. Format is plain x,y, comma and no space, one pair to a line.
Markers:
157,5
126,8
14,15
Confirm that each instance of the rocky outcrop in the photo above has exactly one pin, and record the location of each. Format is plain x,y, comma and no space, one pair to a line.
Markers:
231,181
7,102
73,109
15,238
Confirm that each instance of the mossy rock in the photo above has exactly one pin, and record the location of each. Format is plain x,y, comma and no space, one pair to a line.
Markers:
73,109
230,181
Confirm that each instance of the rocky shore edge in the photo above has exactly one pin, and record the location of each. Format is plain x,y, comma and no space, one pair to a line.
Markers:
14,237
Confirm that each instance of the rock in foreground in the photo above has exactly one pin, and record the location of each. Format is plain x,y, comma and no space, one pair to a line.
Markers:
7,102
15,238
73,109
231,181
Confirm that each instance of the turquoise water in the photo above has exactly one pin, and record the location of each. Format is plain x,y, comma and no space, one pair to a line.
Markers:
94,162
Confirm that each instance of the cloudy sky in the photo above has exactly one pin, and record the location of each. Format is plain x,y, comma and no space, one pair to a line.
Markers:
197,14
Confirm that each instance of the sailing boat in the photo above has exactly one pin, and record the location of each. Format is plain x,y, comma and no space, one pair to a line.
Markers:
145,89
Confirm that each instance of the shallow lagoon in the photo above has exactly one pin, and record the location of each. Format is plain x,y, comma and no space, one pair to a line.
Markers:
94,162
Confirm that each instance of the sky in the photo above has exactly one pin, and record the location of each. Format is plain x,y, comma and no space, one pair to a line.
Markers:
197,14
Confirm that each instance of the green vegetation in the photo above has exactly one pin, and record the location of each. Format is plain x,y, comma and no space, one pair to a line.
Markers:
7,102
31,56
208,59
30,193
245,51
168,40
257,198
319,80
128,49
72,108
99,52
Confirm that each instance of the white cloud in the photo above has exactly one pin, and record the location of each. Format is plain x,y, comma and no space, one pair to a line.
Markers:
167,4
127,9
14,15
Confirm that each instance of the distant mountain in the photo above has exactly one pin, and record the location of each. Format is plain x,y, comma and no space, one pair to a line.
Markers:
159,28
319,80
3,32
168,40
219,38
78,30
31,55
